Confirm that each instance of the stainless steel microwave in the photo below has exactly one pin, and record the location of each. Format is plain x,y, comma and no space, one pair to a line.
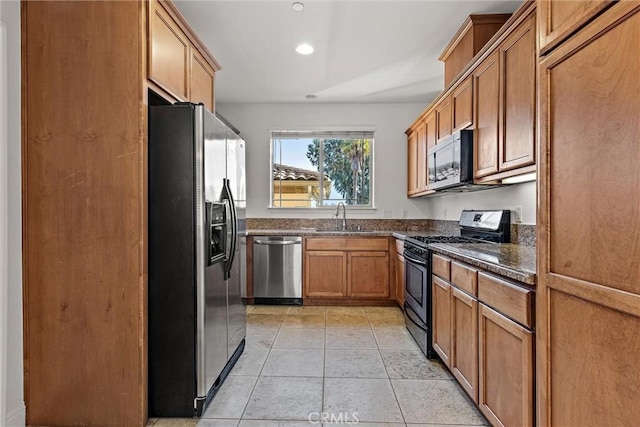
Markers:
450,163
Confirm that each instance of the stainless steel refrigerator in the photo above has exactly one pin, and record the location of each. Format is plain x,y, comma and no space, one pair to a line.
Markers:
197,202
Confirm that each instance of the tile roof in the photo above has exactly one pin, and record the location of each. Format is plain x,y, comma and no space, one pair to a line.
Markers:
291,173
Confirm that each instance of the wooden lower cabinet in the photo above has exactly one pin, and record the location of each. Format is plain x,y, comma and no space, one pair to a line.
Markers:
464,354
325,274
400,279
368,274
442,319
347,267
506,380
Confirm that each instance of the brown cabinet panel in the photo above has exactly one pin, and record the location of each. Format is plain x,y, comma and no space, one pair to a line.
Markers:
168,53
586,112
201,81
368,274
588,337
518,62
486,98
508,298
443,118
412,163
464,354
506,370
441,266
589,288
442,332
422,158
462,99
464,277
560,19
84,213
432,135
325,274
347,243
400,279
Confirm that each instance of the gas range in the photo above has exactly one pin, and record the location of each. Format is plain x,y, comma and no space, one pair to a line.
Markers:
475,227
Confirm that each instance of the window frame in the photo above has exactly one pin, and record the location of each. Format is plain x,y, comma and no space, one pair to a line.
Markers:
340,133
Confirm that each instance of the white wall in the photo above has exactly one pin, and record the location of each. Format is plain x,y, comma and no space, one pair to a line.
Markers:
256,121
449,206
14,401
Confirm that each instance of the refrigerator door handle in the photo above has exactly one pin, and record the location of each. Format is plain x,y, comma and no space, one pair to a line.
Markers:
234,228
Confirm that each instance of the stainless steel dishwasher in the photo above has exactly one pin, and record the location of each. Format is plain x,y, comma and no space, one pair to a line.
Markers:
277,269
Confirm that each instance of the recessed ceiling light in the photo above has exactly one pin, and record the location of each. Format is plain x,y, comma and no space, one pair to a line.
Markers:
297,6
304,49
311,96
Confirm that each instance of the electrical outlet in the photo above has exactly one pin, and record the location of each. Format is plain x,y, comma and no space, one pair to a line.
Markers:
388,213
444,214
518,214
405,213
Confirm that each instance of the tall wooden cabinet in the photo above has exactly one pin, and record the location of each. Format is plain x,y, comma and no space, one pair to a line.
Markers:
84,156
588,345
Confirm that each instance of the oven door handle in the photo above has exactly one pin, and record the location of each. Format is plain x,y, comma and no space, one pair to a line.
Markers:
408,315
413,259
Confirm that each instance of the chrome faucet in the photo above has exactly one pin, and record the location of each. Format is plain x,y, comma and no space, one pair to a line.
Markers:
344,217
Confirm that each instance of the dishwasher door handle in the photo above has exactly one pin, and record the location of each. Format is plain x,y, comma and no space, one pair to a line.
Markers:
277,242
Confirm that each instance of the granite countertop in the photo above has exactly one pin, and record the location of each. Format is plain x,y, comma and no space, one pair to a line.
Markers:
517,262
312,232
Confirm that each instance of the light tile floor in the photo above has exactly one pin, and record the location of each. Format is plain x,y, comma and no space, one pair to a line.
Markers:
358,365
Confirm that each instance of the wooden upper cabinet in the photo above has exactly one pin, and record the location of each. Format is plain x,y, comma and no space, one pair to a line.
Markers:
201,81
422,158
486,96
168,53
412,163
368,274
431,130
559,19
462,100
518,76
443,118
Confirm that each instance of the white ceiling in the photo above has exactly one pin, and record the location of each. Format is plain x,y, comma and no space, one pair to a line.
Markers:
365,51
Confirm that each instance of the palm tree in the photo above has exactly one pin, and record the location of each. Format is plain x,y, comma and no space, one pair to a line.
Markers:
356,150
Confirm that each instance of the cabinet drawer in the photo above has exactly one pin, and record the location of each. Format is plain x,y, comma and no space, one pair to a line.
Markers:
441,266
400,246
347,244
508,298
464,277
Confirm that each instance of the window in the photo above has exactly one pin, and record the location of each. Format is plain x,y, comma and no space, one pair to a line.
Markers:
314,169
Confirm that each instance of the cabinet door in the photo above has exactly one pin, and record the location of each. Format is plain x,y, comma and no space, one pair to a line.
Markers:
368,274
422,157
464,354
431,130
412,163
462,99
559,19
325,274
400,279
168,53
486,98
201,81
441,305
443,118
518,66
506,370
588,316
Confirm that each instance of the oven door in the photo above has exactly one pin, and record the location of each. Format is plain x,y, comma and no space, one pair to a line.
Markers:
415,285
